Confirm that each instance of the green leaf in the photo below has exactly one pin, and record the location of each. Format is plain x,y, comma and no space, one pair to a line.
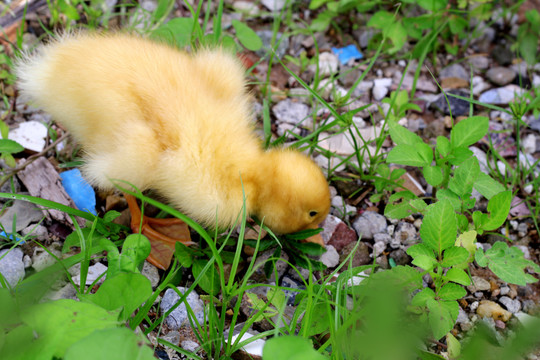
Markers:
464,177
184,254
399,206
469,131
419,155
135,250
290,347
247,36
111,344
487,186
432,5
459,155
310,248
450,196
422,297
507,263
126,291
498,207
396,32
424,262
454,255
418,205
458,276
10,146
441,316
467,240
315,4
457,24
209,280
59,324
402,135
439,227
381,20
528,48
454,347
452,291
433,175
111,215
420,249
175,32
443,146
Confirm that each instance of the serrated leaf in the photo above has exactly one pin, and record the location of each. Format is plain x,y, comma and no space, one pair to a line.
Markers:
458,276
464,177
399,206
418,204
440,318
450,196
469,131
432,5
459,155
381,20
420,249
247,36
507,263
433,175
402,135
454,255
421,298
452,291
424,262
487,186
439,227
411,155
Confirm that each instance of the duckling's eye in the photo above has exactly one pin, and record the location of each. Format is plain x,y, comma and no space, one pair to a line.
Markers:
313,213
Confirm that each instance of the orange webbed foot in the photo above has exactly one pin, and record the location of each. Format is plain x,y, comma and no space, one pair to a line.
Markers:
162,233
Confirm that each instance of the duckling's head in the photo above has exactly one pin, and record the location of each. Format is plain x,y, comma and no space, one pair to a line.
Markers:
293,193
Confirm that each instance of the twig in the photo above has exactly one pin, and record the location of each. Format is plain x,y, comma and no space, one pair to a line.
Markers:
31,159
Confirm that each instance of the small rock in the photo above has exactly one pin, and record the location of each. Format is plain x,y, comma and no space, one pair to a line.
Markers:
42,259
281,266
479,85
365,36
379,92
454,70
25,212
179,316
254,348
342,236
151,273
329,226
502,95
505,290
266,38
479,62
274,5
501,75
189,345
378,248
94,272
490,309
246,7
331,257
406,234
290,283
12,265
513,306
529,144
66,292
479,284
384,82
39,232
459,107
383,237
502,54
463,320
360,257
369,223
400,257
30,134
27,260
328,64
292,112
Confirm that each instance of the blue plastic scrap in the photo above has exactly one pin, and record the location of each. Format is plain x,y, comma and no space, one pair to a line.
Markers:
345,54
79,190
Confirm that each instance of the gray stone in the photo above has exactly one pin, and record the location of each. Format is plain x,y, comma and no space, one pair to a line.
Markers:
94,272
365,36
292,112
369,224
331,257
266,38
479,85
406,234
25,213
454,70
42,259
189,345
379,92
66,292
30,134
12,266
328,64
274,5
329,225
479,62
400,257
382,237
151,273
501,75
39,232
529,143
513,306
502,95
479,284
179,316
459,107
378,247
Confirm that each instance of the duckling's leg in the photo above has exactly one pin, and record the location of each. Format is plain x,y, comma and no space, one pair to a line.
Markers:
162,233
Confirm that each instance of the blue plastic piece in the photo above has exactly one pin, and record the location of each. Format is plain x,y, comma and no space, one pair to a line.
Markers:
12,237
347,53
79,190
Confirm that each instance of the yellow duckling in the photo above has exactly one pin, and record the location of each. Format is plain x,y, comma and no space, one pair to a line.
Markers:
160,118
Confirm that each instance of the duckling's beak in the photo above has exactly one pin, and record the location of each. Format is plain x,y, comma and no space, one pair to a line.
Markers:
317,239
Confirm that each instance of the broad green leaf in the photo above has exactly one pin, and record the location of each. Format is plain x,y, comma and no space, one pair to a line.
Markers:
135,250
487,186
498,207
421,298
381,20
440,318
420,249
457,24
184,254
469,131
452,291
290,347
454,346
176,32
397,173
247,36
450,196
315,4
459,155
454,255
402,135
432,5
439,227
318,323
464,177
418,155
398,205
433,175
311,249
322,21
126,291
111,344
396,32
458,276
507,263
418,205
209,280
10,146
467,240
528,48
424,262
61,323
